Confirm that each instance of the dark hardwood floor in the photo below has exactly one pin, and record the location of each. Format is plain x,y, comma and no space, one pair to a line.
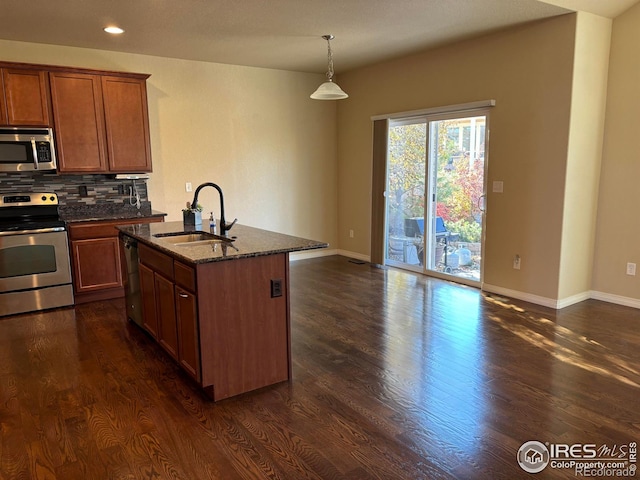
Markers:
396,376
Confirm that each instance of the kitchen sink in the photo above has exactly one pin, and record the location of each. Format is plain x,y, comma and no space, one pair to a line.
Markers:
192,238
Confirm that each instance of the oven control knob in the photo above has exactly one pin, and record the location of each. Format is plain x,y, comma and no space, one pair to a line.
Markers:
44,199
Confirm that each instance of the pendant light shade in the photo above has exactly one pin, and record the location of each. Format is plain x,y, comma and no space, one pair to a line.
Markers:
329,90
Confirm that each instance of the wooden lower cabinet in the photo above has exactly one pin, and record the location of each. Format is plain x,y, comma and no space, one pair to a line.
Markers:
148,293
97,260
187,323
166,312
219,320
96,264
169,311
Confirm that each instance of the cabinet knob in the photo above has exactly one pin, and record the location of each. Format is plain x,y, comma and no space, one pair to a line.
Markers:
183,295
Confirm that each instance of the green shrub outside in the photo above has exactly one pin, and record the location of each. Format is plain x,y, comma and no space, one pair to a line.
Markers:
469,232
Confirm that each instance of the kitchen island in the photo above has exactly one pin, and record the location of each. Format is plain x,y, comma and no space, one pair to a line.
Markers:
218,306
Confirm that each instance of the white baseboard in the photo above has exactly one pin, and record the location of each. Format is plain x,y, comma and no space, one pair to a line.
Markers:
617,299
357,256
326,252
564,302
526,297
573,299
316,253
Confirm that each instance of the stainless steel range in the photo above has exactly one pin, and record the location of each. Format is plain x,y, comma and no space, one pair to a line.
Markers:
35,271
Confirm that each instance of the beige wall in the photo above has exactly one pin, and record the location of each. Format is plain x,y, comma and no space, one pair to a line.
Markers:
528,71
591,63
253,131
618,227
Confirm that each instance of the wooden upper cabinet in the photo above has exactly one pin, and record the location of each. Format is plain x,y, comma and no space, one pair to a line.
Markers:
79,122
3,107
127,124
100,118
26,98
102,123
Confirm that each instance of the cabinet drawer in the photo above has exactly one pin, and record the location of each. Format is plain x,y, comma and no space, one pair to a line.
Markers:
92,230
161,263
104,229
185,276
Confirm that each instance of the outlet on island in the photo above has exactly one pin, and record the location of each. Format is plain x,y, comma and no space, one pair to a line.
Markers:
276,288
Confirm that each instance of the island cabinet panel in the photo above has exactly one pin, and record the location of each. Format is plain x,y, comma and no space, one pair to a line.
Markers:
148,294
157,261
169,307
244,331
188,338
166,312
97,258
24,98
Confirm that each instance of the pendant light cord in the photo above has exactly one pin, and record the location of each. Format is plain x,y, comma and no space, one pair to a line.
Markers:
329,58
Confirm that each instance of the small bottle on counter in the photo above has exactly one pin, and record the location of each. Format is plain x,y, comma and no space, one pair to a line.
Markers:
212,223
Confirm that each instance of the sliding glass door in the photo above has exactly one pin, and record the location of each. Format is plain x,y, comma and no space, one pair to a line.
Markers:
405,192
435,195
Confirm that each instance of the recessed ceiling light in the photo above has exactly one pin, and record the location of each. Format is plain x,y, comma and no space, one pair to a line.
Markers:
114,30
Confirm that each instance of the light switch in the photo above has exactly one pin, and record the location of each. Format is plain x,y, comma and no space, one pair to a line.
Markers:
498,186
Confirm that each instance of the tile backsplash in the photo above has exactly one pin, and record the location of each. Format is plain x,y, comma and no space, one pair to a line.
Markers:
75,190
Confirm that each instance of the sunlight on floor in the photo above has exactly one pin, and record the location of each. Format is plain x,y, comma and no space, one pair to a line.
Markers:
550,339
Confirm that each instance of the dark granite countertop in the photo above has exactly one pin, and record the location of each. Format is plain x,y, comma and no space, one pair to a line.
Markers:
247,242
92,213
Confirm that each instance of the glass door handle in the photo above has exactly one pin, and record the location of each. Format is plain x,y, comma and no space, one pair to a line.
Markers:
481,202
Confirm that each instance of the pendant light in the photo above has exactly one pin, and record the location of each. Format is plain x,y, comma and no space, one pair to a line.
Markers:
329,90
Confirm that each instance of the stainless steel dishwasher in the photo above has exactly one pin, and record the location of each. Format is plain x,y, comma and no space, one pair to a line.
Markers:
132,279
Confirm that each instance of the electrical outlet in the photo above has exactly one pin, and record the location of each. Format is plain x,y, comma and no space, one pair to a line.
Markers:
350,233
276,287
631,268
188,187
121,189
516,262
82,191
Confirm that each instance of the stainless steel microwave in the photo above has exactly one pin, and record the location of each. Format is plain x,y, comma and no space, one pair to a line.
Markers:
26,149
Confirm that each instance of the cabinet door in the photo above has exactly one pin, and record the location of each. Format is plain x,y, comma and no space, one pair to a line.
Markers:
3,105
166,314
148,293
26,97
96,264
127,124
79,120
188,341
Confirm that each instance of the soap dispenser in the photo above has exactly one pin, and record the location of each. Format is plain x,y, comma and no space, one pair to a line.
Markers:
212,224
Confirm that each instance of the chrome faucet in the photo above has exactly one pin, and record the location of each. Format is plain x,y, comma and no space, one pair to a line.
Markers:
224,228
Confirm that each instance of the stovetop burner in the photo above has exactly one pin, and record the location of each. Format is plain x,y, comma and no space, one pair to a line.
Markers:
29,211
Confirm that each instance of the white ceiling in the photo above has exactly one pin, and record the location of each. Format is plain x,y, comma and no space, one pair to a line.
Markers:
281,34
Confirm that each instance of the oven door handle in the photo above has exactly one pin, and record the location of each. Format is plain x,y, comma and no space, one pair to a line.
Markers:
34,150
28,232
